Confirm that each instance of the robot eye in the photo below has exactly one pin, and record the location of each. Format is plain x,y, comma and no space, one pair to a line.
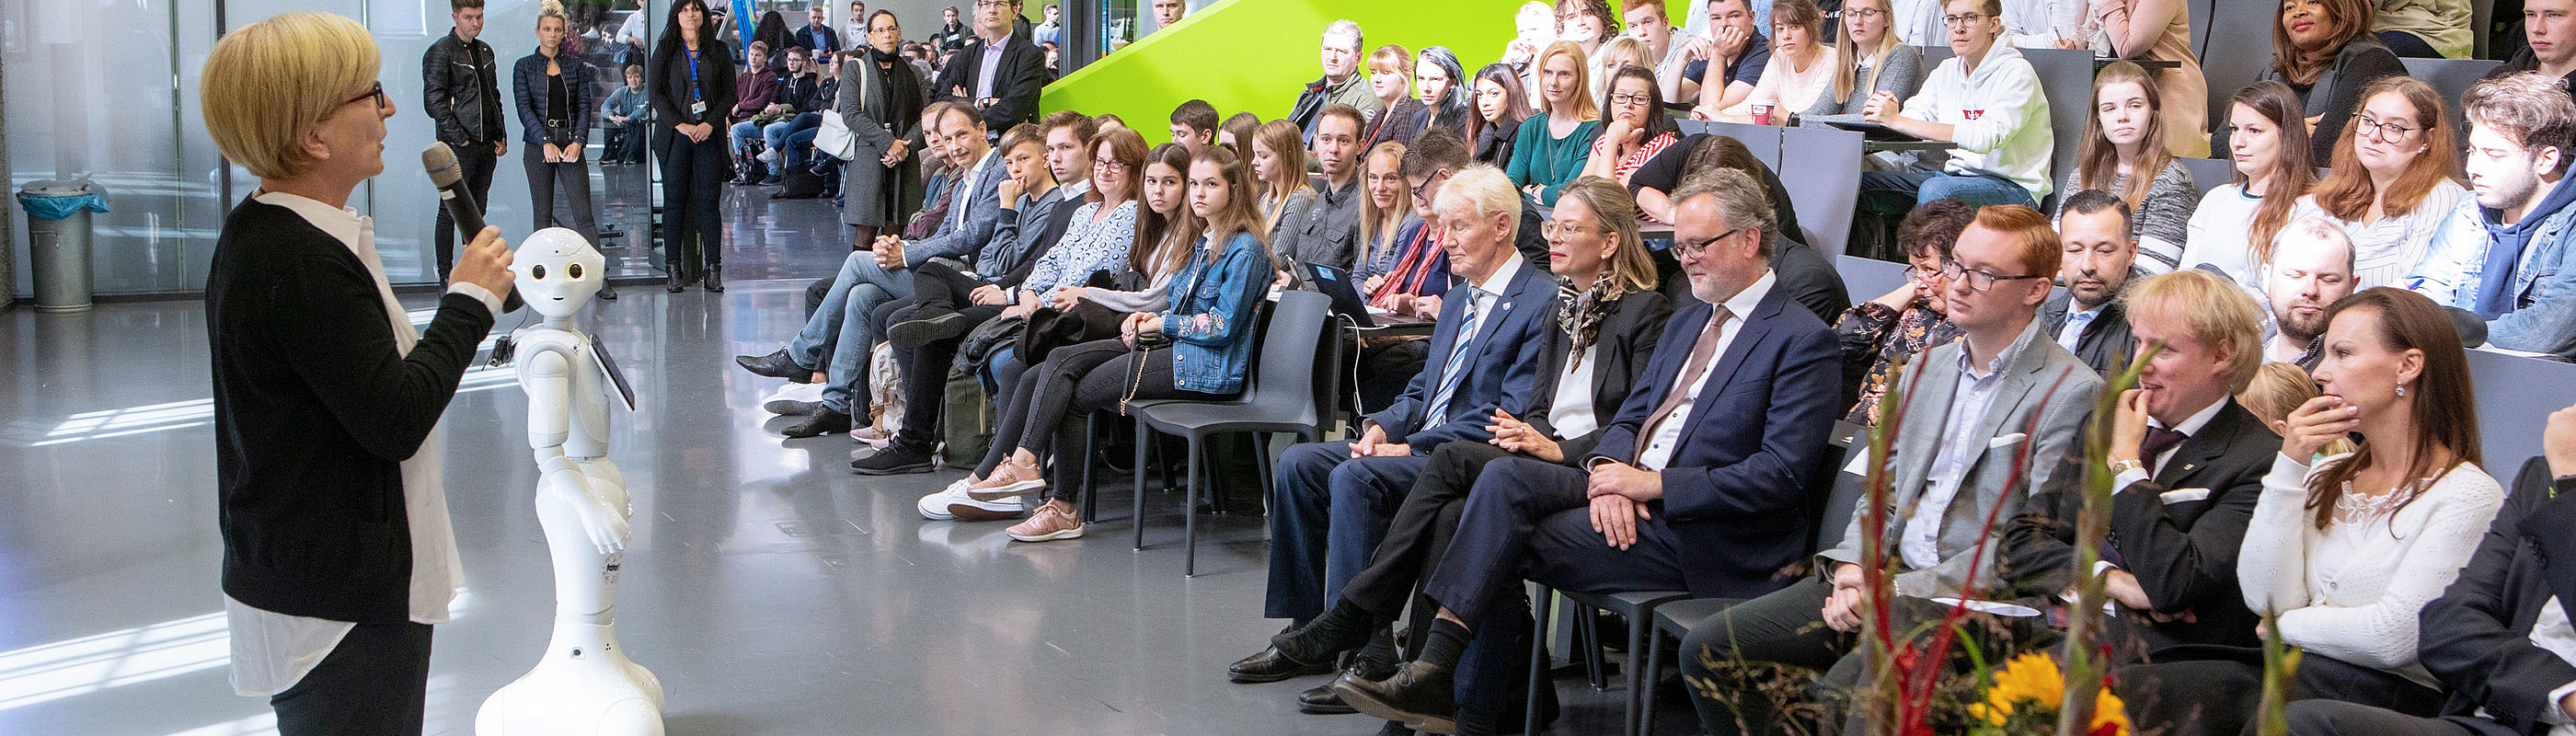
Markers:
573,270
537,271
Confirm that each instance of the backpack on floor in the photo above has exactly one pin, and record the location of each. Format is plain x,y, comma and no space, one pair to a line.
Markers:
966,421
800,183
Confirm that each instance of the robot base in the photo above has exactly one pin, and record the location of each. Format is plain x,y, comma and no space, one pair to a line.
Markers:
585,685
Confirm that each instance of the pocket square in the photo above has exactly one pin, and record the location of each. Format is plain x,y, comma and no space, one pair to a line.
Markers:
2006,440
2184,495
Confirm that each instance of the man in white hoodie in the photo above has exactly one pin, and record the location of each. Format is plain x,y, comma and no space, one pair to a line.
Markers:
1987,100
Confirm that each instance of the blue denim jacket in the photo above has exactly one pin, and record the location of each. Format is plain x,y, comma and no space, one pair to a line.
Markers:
1210,323
2544,288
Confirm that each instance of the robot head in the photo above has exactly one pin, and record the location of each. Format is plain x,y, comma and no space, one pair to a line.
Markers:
558,271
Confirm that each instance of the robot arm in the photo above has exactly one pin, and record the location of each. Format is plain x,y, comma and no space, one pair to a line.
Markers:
561,481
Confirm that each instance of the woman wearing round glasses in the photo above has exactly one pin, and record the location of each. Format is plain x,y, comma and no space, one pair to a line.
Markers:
2391,184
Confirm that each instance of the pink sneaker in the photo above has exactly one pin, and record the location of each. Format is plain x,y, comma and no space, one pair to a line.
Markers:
1053,521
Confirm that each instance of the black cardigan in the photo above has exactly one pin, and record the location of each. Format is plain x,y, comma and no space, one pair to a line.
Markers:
670,83
1626,342
314,411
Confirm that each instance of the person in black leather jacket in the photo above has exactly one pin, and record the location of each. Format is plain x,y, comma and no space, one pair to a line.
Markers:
461,89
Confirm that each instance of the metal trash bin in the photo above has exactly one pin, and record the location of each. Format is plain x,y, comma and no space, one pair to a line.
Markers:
58,240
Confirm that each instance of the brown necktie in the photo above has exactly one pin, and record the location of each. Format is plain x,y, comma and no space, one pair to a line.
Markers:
1702,352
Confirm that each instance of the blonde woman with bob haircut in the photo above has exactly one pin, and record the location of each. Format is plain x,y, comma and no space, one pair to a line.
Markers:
326,398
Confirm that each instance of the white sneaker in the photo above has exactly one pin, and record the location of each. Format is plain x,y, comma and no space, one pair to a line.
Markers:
963,507
935,506
794,399
768,157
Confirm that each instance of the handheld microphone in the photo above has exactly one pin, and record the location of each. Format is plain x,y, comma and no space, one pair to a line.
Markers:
445,174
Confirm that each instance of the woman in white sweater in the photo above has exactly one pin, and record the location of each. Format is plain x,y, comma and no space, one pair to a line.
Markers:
2391,185
2233,227
2347,549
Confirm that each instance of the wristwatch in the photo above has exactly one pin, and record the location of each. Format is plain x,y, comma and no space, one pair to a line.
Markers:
2123,466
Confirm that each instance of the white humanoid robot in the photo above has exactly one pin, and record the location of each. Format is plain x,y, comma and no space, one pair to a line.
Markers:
585,684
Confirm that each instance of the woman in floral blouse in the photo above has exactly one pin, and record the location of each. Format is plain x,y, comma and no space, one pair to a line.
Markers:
1879,334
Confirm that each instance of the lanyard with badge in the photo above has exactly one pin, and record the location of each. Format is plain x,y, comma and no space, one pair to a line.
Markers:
697,101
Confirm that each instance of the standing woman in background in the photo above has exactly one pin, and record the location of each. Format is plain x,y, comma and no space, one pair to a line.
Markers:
693,90
880,100
553,93
1498,112
1441,84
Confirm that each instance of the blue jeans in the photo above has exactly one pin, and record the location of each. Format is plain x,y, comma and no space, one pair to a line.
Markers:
840,335
743,134
775,134
1925,186
1328,512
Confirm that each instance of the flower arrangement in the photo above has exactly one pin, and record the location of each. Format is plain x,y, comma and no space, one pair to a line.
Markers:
2024,698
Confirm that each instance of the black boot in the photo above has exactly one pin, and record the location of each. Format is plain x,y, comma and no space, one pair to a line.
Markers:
678,282
715,278
927,326
824,421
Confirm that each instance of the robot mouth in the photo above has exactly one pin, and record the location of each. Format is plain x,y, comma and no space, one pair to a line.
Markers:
559,298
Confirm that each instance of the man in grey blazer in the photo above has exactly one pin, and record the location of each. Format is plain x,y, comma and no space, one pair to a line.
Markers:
1984,420
837,339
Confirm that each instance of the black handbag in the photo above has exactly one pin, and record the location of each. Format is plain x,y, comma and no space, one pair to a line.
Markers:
1050,328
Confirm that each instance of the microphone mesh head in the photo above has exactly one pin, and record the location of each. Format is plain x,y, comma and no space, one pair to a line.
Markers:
441,163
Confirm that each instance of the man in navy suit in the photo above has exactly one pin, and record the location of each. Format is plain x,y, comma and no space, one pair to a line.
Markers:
1335,498
1702,482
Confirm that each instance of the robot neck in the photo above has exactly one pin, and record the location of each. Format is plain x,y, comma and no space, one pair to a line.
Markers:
557,323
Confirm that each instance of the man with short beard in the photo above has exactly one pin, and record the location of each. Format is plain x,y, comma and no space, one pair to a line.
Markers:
2089,318
2311,268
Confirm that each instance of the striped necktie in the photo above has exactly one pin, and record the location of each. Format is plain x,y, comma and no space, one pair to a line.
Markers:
1456,369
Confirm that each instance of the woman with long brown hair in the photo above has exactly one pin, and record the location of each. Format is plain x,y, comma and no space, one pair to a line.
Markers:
2160,30
2314,37
2392,182
1498,107
2125,154
2233,228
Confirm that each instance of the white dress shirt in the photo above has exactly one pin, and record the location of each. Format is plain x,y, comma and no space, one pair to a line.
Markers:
1660,445
1920,544
272,651
1571,412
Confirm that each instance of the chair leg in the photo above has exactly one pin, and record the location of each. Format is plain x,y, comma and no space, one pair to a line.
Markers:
1144,441
1653,673
1215,493
1190,510
1543,610
1640,629
1587,642
1090,466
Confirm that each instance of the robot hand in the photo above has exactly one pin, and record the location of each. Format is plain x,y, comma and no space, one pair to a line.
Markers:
602,519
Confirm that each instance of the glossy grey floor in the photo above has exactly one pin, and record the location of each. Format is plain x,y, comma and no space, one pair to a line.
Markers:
771,590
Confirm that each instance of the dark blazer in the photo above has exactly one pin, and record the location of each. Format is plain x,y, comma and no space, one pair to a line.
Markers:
2182,550
1625,343
315,411
2476,638
1015,93
1398,123
528,88
1736,489
2106,343
671,88
818,38
1809,278
1500,373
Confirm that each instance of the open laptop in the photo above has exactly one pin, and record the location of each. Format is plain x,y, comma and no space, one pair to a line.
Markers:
1336,284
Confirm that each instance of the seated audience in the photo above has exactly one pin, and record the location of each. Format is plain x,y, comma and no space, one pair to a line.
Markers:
2314,37
1383,214
2549,30
789,142
1636,128
1390,72
2497,639
1651,24
2160,30
1734,48
1441,84
1687,461
1002,71
1879,334
1802,69
1194,124
2311,269
2508,253
1342,83
1197,347
2120,142
2424,29
1237,131
2391,183
1552,146
1286,196
1973,442
1868,59
756,94
1333,223
1420,274
1651,182
1330,500
1595,340
2347,549
1499,108
1987,100
2270,149
2187,465
2091,319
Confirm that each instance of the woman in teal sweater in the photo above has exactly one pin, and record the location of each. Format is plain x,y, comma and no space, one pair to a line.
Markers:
1554,143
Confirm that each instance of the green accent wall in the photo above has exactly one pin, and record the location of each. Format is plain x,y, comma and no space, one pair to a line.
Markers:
1256,55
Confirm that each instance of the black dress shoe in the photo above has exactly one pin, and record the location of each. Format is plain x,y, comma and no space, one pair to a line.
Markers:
823,421
913,333
1420,696
1321,700
894,459
1269,665
775,365
1394,729
715,279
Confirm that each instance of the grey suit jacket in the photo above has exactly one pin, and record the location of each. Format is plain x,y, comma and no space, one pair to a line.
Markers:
2035,422
983,213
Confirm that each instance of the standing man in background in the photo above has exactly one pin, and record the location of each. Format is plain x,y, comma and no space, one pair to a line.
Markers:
999,73
460,86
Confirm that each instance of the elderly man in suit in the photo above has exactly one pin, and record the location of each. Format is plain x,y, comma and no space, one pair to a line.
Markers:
1702,483
999,73
2187,463
2499,637
1332,499
837,338
1984,420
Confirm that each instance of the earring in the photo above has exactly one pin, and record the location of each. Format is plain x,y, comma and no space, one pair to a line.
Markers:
2401,389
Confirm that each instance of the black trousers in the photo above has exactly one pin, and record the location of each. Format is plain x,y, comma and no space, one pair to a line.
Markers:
476,160
573,179
2334,717
375,683
2200,697
693,177
1054,400
1420,531
937,288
